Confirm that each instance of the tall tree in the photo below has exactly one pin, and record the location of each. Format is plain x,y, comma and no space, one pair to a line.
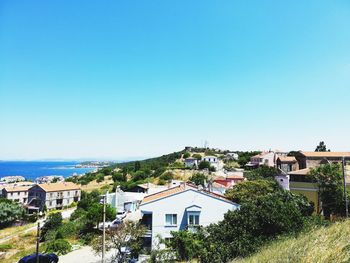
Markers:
126,235
321,147
330,183
9,212
137,166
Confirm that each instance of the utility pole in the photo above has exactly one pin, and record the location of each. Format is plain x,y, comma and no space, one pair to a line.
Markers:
345,194
37,242
104,230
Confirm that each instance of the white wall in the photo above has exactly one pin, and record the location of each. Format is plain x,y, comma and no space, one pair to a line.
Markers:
213,210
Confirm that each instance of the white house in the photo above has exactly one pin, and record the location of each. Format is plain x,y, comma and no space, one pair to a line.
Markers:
127,201
213,160
179,208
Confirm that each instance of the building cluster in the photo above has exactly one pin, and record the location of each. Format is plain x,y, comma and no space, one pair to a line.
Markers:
181,205
294,170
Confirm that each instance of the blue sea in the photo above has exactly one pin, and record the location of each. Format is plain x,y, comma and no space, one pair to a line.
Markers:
33,169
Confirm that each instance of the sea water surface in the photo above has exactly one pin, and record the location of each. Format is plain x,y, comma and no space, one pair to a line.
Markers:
33,169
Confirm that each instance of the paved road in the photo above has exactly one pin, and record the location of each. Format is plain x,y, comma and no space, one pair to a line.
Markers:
84,254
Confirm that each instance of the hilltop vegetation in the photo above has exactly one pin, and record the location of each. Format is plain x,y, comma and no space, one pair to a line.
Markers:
158,170
323,245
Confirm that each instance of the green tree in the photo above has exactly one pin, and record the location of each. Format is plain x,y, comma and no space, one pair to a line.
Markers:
263,172
199,179
100,177
244,231
88,198
53,222
204,165
187,245
94,214
128,234
321,147
9,212
119,177
186,155
137,166
167,176
329,179
59,246
249,191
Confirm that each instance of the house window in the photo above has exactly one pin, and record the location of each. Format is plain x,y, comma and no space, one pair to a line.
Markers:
171,219
193,219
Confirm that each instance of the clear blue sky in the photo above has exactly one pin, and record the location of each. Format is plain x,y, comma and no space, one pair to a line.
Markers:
119,79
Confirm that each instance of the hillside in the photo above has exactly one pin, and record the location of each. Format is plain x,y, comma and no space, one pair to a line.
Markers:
322,245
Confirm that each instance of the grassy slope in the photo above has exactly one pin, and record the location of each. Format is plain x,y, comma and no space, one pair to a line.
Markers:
326,244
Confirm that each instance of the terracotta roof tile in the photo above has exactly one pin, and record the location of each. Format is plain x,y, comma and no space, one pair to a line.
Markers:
300,172
287,159
17,188
61,186
178,189
326,154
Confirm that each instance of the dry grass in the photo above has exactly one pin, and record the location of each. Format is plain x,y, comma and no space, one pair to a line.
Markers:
94,185
322,245
22,245
14,230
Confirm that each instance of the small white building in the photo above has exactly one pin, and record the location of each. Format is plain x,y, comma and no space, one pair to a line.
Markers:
124,201
213,160
283,180
183,207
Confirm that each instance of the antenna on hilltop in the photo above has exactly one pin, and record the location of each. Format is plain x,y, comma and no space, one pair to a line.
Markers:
206,144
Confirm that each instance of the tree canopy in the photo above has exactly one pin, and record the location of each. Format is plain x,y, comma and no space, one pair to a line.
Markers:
321,147
10,211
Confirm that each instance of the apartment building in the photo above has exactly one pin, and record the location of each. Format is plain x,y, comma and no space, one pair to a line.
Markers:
53,195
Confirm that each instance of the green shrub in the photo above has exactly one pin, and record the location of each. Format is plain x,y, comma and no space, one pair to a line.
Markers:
9,212
186,155
59,246
30,218
53,222
167,176
68,229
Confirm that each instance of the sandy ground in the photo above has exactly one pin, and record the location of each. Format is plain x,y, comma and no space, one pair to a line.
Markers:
84,254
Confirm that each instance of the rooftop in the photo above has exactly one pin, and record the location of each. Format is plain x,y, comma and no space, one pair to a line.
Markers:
17,188
61,186
287,159
326,154
300,172
179,189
